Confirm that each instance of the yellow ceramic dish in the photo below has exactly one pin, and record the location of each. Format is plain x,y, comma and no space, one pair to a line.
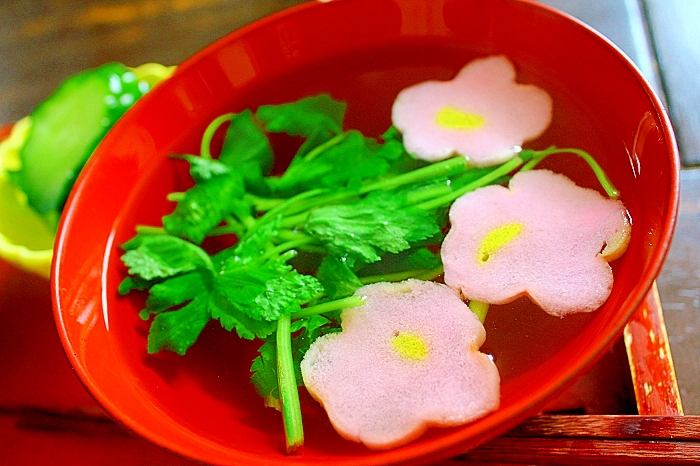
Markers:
25,239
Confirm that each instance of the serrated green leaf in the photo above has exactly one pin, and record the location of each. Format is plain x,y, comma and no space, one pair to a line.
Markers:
266,290
303,117
252,246
255,292
264,367
178,330
204,169
162,256
264,371
134,283
363,230
231,318
205,205
346,163
174,292
247,150
413,259
283,295
337,278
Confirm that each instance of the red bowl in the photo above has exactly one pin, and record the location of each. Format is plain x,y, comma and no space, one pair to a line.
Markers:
361,51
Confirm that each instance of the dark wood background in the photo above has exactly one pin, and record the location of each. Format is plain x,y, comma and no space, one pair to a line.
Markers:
42,42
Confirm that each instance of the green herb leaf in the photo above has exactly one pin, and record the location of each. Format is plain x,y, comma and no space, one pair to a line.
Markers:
337,278
204,169
161,256
346,163
307,331
264,291
253,291
264,367
303,117
363,230
318,137
217,194
264,372
178,330
251,247
392,134
231,318
419,258
135,283
247,150
284,295
174,292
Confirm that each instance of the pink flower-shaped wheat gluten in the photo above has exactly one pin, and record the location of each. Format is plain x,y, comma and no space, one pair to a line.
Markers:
408,358
542,236
482,114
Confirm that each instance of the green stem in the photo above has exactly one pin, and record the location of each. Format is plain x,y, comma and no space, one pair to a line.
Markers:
231,228
290,235
293,244
493,175
532,163
246,220
431,274
335,305
295,220
479,308
279,209
422,195
263,204
328,199
400,276
603,179
208,135
175,196
285,206
448,167
149,230
287,383
304,241
321,148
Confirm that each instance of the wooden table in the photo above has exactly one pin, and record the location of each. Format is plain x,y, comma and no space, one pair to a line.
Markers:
45,413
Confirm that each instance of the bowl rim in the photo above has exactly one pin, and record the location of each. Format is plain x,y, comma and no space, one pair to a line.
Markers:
445,445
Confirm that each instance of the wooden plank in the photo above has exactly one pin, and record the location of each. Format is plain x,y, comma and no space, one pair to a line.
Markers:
680,292
685,428
649,353
563,450
594,439
675,27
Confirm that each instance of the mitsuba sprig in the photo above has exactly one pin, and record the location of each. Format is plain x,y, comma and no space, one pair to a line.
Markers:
348,210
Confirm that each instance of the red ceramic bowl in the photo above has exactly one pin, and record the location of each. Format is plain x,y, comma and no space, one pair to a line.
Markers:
361,51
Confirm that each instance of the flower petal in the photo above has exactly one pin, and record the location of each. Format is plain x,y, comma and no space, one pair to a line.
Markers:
406,359
482,114
555,255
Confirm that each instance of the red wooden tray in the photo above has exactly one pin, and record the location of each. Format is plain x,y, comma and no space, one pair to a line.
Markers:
628,405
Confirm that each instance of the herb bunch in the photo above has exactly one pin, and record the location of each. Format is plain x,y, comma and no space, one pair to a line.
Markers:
349,210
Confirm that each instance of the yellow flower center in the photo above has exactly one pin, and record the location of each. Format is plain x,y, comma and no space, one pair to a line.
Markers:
453,118
496,239
410,346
